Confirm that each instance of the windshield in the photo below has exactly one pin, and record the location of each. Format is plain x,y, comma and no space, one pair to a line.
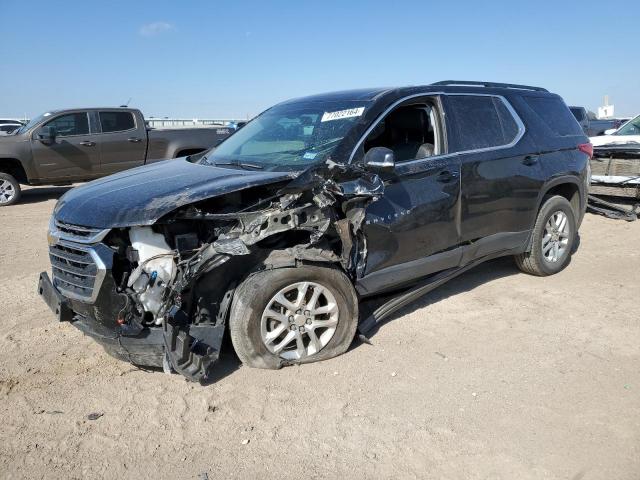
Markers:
289,137
33,121
632,127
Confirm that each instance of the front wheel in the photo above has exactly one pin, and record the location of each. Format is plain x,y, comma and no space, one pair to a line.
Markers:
553,239
9,190
293,315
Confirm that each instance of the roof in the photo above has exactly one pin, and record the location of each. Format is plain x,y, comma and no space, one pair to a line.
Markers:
450,86
58,110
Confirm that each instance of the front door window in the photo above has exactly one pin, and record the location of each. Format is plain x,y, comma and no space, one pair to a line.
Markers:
70,124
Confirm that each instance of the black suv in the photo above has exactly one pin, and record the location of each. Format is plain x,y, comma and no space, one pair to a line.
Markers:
285,228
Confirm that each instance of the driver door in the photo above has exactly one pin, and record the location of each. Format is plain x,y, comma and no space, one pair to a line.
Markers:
74,154
411,231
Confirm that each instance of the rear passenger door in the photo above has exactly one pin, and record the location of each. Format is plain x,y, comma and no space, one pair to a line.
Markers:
123,141
500,172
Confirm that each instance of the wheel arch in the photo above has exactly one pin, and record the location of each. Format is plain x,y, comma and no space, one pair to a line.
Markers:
222,281
568,187
183,152
14,167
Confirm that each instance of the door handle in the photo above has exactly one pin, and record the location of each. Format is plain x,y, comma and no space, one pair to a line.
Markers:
134,140
530,160
87,143
446,176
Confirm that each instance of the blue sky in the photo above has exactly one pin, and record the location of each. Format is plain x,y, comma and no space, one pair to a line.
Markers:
235,58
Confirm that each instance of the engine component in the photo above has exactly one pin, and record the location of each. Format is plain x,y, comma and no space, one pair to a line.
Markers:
156,269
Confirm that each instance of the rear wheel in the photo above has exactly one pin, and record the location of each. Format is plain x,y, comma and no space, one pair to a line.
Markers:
293,315
553,239
10,191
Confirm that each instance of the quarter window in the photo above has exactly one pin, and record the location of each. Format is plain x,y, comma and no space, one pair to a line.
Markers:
70,124
116,121
480,122
555,115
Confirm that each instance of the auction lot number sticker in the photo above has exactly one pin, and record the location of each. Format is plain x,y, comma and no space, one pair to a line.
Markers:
340,114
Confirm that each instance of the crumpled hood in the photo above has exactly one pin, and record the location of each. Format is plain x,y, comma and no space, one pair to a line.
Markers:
142,195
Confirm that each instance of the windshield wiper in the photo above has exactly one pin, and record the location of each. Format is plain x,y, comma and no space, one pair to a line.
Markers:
244,165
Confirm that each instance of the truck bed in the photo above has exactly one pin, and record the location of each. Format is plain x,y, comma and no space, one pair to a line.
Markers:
178,140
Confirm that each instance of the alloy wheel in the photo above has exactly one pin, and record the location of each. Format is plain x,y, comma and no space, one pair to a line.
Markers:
7,191
299,320
556,237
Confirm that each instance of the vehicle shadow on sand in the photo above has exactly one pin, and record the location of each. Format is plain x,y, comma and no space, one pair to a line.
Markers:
492,270
228,362
42,194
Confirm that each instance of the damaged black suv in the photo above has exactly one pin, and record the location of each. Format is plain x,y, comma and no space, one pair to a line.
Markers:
317,204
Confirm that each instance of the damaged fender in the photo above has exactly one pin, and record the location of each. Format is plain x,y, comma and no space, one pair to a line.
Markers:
315,207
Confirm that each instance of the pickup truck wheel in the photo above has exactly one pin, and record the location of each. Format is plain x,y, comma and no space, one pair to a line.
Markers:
293,315
10,191
553,239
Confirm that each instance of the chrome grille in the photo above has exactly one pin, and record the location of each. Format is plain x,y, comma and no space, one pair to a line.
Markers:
78,262
74,270
76,233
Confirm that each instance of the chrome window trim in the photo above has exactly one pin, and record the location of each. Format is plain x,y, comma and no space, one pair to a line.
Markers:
521,128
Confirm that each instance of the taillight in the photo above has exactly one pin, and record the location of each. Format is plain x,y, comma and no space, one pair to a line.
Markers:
586,148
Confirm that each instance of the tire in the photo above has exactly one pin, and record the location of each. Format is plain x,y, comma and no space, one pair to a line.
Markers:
10,191
249,321
539,260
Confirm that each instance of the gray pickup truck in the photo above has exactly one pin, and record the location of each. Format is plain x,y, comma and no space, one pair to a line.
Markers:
67,146
591,125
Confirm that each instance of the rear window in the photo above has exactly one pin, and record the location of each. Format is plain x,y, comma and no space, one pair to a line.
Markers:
556,115
480,122
116,121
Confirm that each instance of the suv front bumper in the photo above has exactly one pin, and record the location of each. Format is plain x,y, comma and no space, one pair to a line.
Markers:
146,348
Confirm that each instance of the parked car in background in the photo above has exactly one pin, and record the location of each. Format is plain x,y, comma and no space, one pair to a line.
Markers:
627,133
8,127
618,122
590,124
11,120
314,205
67,146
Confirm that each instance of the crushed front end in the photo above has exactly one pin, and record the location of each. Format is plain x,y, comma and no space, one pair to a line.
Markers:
83,290
159,294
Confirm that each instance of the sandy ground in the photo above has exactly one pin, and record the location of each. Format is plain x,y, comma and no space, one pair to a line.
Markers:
497,375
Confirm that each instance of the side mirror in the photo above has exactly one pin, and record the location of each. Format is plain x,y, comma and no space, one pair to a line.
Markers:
47,135
610,131
380,159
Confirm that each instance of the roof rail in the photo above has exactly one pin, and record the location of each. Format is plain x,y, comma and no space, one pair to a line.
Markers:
489,84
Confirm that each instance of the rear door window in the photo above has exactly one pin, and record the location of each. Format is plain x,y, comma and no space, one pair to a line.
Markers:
70,124
556,115
117,121
479,122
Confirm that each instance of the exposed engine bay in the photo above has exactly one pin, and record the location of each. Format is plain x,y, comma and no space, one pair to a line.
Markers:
179,274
